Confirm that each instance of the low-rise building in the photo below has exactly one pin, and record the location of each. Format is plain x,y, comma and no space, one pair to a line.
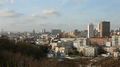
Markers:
90,51
115,40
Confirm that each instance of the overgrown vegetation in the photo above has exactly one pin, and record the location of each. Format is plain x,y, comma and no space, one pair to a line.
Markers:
20,54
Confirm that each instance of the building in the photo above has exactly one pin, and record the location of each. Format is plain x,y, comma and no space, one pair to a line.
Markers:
90,30
55,31
80,42
110,50
99,41
108,44
119,29
104,28
43,31
115,40
90,51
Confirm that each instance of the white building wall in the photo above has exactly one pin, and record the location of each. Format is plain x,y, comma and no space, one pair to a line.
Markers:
90,30
119,40
78,43
108,44
115,40
53,45
90,51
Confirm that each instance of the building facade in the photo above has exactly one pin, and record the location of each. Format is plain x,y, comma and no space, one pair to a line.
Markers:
104,28
115,40
90,30
55,31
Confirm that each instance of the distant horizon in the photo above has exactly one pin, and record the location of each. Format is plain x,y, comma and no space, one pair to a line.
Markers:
67,28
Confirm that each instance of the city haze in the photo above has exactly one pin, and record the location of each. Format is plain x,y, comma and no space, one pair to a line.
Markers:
26,15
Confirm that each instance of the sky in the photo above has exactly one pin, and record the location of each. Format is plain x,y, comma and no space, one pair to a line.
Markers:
26,15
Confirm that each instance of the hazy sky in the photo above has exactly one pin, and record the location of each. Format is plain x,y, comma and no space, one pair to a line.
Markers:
26,15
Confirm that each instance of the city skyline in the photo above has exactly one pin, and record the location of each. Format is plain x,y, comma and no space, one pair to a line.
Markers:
26,15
